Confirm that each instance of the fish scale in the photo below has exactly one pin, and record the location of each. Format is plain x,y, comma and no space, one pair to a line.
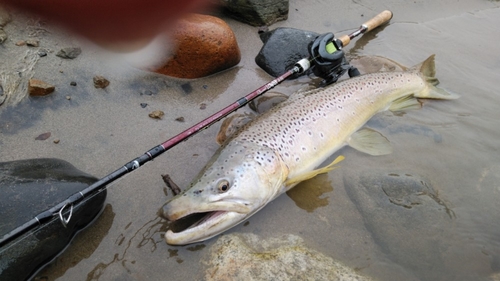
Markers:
313,124
285,145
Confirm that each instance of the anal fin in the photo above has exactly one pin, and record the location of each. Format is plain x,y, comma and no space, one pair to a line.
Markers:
405,103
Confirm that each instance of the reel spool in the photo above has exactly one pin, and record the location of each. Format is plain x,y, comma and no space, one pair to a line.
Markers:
328,60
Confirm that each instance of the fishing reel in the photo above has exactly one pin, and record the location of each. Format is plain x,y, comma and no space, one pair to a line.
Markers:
328,60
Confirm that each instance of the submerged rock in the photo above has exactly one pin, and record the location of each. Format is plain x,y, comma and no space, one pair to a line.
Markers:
205,45
249,257
257,12
267,101
370,64
231,125
406,216
283,47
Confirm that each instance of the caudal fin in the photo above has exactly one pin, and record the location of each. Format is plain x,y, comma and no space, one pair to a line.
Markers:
427,69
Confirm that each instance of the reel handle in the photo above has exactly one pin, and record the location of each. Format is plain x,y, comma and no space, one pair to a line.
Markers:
378,20
374,22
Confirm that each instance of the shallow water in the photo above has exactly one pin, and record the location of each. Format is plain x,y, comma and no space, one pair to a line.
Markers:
451,146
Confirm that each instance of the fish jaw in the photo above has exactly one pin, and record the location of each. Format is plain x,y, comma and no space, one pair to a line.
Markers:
217,223
254,175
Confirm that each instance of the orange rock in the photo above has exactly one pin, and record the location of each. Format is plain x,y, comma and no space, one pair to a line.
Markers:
205,45
39,88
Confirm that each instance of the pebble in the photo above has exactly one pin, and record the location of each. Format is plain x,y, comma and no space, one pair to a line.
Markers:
179,119
72,83
68,97
38,87
206,45
157,114
43,136
3,36
42,53
203,106
56,141
32,43
143,105
100,82
20,43
69,53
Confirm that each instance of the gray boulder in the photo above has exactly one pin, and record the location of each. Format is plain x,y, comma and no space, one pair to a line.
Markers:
257,12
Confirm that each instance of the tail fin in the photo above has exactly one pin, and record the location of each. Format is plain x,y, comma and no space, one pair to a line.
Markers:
427,69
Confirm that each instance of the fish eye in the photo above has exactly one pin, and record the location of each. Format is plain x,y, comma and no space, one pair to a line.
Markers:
223,185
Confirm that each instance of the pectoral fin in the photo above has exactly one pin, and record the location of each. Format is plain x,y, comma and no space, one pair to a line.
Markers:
313,173
370,141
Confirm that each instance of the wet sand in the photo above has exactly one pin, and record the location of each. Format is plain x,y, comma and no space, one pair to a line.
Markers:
452,144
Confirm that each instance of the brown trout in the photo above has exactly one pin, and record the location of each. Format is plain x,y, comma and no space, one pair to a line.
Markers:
285,146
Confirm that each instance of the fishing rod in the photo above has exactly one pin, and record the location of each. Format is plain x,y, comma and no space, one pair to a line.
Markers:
324,51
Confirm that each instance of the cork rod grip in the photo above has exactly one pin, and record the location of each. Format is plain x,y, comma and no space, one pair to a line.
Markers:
345,40
378,20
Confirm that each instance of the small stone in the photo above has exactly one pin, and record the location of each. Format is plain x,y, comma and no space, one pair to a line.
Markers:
100,82
203,106
56,141
157,114
68,97
3,36
32,43
143,105
179,119
72,83
39,88
205,45
69,53
42,53
20,43
148,93
43,136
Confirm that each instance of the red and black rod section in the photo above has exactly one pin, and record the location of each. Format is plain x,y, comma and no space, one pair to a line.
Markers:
65,208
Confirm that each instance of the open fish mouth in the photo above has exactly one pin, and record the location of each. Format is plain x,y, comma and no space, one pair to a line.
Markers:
193,220
201,226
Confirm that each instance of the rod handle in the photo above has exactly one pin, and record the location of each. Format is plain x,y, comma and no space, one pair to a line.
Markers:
345,39
378,20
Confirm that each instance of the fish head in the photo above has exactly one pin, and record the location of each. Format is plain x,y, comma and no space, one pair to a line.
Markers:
241,178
